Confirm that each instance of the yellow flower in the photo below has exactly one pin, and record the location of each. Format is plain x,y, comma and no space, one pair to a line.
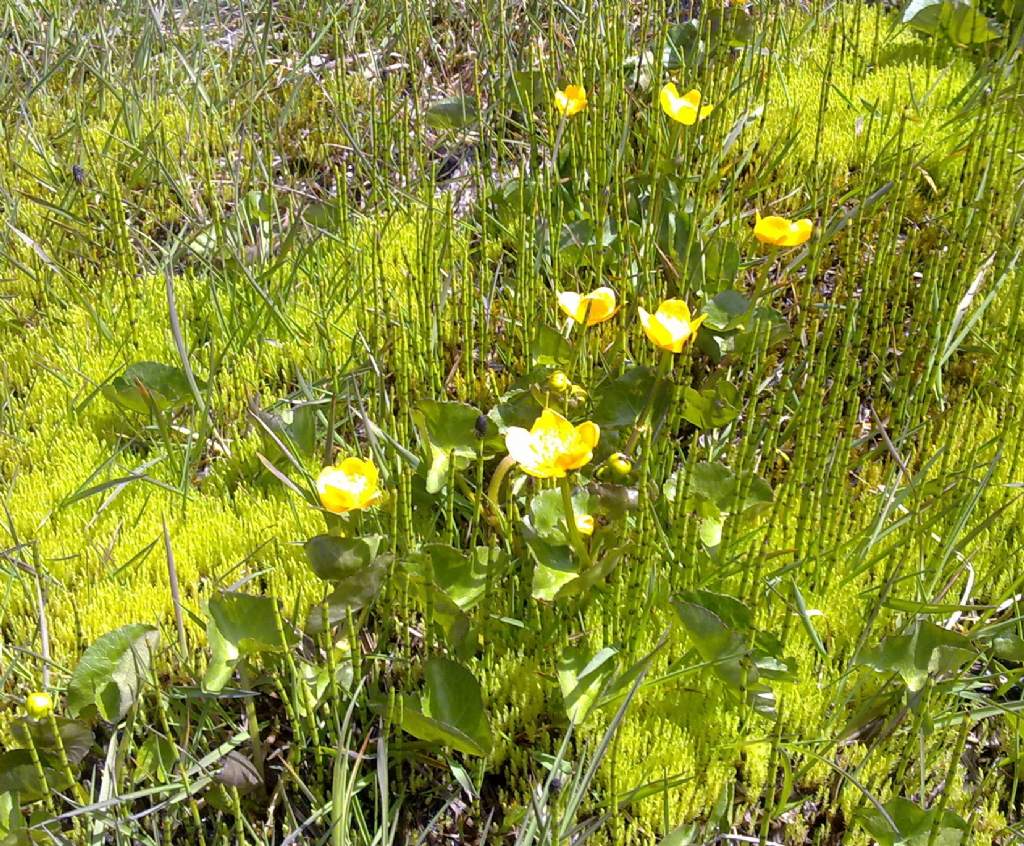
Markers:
571,100
348,486
39,705
685,109
595,307
780,232
585,524
670,327
552,446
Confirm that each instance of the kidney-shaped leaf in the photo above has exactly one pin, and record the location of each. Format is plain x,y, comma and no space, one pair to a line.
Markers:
332,557
149,383
111,672
75,736
581,677
18,774
453,113
249,623
452,710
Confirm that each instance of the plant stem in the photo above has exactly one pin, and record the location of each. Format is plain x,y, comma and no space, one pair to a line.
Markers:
575,538
664,368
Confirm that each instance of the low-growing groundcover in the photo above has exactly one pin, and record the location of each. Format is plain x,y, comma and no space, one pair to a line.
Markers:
550,423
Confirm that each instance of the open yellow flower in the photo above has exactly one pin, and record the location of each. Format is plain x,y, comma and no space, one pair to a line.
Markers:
552,446
571,99
39,705
671,326
780,232
348,486
593,308
686,108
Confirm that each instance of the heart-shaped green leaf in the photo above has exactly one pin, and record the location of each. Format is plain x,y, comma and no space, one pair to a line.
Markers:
451,712
111,672
149,384
453,113
581,677
332,557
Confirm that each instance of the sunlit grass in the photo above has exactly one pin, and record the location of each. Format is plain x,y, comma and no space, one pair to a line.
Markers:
266,196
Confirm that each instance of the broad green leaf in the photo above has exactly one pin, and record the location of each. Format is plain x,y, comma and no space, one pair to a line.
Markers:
451,712
111,672
555,567
684,835
461,576
224,657
451,430
717,644
249,623
714,483
927,650
550,349
76,737
525,90
592,575
295,427
581,677
727,310
923,14
730,610
711,407
351,594
620,402
332,557
966,25
13,831
959,20
453,113
683,45
913,825
149,383
721,262
1009,648
547,513
18,774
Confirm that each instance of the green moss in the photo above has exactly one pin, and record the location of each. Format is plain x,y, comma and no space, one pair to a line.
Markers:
887,91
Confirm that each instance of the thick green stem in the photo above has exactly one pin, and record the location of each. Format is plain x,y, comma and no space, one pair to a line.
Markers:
575,538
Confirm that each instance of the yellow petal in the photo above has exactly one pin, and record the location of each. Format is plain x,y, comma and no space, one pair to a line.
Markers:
802,230
572,304
589,433
603,305
668,97
519,443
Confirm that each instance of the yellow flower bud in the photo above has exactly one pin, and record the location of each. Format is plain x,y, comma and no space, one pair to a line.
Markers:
620,464
585,524
559,382
39,705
